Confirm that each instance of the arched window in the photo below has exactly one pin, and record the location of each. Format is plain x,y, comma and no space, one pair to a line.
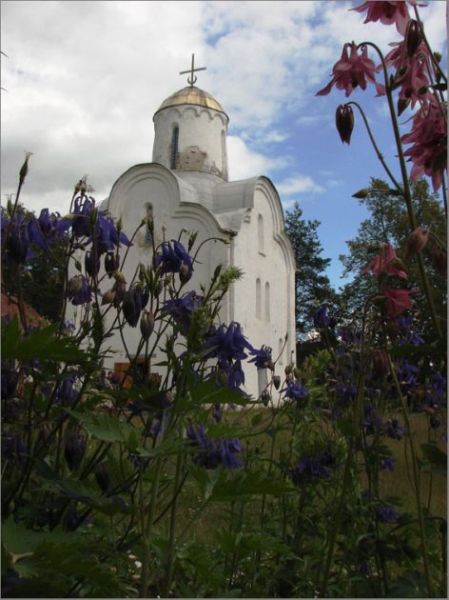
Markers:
267,301
150,224
281,357
260,232
174,147
258,299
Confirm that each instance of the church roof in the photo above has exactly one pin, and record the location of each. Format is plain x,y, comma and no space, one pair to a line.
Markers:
191,95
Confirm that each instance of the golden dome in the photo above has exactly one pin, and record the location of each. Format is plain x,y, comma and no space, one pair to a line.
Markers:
191,95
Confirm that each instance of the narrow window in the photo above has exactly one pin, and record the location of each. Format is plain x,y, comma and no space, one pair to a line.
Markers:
223,155
258,298
267,301
260,233
262,380
174,147
150,224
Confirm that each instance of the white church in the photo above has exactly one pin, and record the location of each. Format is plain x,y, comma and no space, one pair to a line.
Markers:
186,187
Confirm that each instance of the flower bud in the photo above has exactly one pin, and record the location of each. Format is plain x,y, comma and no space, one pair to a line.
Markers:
413,37
108,297
344,120
74,285
380,363
111,263
102,477
146,324
184,273
416,242
276,381
363,193
74,451
91,264
24,168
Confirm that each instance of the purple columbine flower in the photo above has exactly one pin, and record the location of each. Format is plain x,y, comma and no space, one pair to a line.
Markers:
17,245
182,309
321,318
387,464
346,392
79,291
407,374
262,358
234,373
228,343
313,468
213,453
393,429
65,394
82,208
295,390
387,514
372,421
172,257
107,235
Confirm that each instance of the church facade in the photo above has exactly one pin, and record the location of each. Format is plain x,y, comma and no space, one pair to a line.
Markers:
186,187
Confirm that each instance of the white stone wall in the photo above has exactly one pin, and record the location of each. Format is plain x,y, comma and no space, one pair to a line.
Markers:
265,320
129,202
201,142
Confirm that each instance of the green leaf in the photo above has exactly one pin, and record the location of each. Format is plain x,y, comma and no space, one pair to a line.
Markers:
207,392
107,428
42,343
435,456
10,338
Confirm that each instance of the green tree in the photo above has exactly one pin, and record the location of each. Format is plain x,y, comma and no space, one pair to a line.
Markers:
312,285
388,222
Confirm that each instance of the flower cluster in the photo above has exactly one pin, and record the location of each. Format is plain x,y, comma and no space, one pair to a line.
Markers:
311,469
174,258
214,453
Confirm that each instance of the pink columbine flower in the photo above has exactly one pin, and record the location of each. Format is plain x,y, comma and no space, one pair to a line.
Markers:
429,138
353,69
387,12
396,302
411,72
385,263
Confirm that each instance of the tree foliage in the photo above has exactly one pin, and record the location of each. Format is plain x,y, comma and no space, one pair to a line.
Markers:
312,285
388,222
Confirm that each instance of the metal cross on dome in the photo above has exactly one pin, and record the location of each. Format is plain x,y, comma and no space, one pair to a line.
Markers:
192,79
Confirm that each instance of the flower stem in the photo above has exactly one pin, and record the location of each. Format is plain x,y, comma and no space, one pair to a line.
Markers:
416,480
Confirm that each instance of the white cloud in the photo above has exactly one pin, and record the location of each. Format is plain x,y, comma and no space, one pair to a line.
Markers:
84,78
298,184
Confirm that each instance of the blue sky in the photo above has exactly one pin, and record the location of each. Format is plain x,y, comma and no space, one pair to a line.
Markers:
83,80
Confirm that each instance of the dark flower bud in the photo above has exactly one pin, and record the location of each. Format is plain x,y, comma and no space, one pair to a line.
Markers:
74,451
416,242
111,263
380,363
146,324
363,193
91,263
413,37
344,120
17,244
102,477
403,103
108,297
276,381
265,398
185,273
119,287
131,308
24,168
